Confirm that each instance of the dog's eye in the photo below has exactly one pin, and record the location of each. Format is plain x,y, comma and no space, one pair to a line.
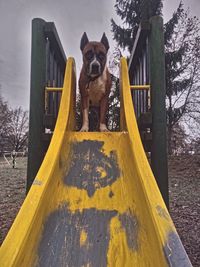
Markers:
101,56
89,55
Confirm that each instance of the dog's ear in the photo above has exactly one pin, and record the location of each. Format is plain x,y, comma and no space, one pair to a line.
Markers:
84,41
104,41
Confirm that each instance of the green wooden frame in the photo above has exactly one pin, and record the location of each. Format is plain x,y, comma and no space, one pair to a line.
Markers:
41,31
151,34
159,160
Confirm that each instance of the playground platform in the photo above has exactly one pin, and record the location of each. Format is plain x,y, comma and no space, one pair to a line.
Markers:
94,200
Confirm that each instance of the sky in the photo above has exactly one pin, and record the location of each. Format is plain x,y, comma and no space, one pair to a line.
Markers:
71,17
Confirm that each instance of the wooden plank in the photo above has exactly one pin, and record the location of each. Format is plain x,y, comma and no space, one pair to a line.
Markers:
47,75
140,41
50,94
49,121
146,136
145,120
47,62
147,145
52,35
158,93
37,100
46,137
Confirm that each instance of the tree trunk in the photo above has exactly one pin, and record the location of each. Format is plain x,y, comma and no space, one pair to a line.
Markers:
169,127
169,140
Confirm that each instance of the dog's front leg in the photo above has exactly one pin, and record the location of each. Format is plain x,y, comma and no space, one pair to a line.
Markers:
85,114
103,110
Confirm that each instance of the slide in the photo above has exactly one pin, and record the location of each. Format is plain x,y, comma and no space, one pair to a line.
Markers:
94,201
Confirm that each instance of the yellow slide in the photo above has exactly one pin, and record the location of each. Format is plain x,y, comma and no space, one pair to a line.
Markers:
94,201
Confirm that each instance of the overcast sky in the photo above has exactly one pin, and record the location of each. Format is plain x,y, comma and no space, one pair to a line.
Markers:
71,17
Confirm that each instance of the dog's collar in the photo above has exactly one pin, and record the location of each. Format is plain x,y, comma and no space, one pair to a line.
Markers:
92,79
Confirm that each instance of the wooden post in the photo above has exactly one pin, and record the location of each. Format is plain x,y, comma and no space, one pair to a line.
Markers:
37,100
157,81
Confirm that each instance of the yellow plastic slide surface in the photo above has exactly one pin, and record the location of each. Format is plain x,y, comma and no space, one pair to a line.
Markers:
94,201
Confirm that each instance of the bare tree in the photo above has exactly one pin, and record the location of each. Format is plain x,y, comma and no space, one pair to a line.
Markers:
5,119
195,146
182,47
18,133
179,144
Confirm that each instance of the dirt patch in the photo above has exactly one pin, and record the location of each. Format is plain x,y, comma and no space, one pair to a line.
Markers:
184,186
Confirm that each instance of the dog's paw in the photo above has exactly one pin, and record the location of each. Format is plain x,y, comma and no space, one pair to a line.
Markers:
84,128
103,128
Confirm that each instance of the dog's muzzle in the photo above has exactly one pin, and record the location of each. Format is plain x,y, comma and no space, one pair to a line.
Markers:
94,68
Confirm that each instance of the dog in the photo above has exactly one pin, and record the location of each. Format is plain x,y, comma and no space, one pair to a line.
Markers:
95,80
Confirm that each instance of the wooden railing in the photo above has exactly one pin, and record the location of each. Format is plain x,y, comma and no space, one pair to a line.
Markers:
139,70
55,68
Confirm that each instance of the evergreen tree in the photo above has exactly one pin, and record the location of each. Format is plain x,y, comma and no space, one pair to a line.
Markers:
131,13
113,116
182,57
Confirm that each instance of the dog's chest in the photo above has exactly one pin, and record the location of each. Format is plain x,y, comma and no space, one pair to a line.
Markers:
96,90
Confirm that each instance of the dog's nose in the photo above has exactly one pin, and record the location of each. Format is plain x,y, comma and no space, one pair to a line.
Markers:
95,69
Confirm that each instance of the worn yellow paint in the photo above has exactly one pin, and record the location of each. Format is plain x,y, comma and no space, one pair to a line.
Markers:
140,87
83,238
134,193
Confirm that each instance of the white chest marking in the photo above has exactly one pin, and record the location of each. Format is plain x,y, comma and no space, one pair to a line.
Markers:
97,89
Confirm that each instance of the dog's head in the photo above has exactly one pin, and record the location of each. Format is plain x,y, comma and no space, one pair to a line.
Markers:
94,55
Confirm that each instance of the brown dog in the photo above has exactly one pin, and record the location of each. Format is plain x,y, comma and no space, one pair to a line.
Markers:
95,80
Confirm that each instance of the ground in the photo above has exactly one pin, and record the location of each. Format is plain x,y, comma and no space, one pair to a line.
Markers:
184,173
184,189
12,192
